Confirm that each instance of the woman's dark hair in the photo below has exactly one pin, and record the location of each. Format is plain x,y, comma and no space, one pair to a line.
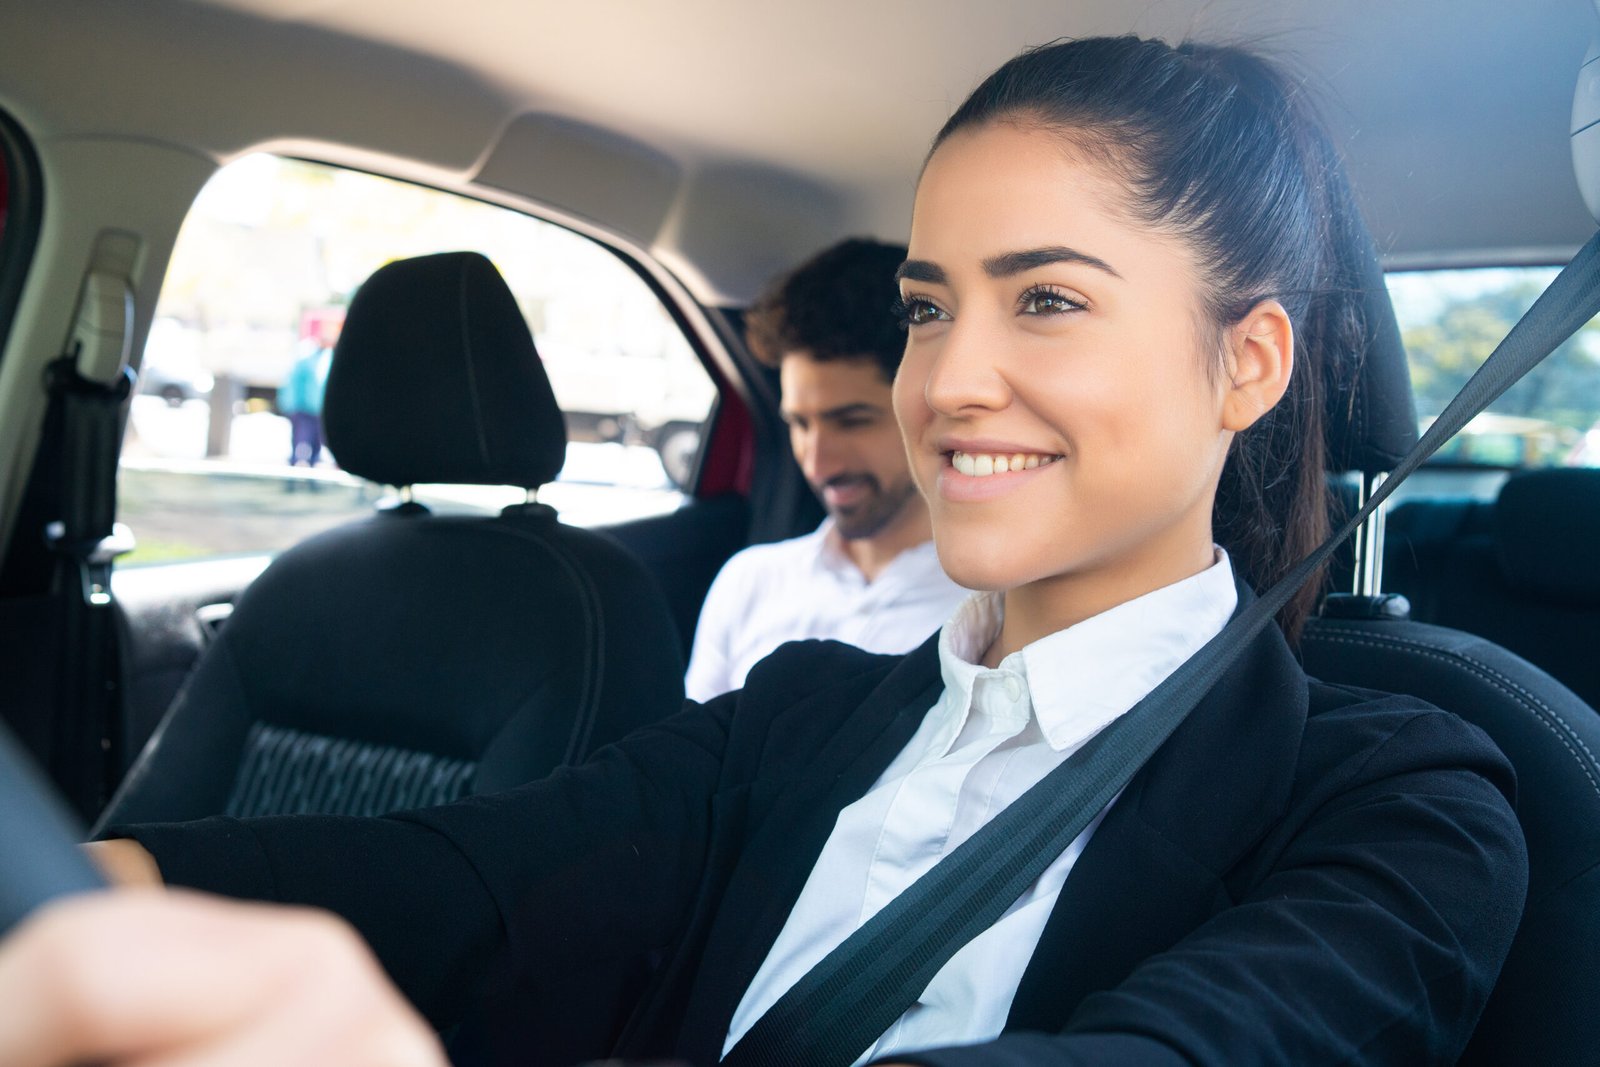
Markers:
839,304
1217,146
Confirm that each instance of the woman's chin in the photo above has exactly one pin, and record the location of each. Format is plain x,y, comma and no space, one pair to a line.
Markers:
979,572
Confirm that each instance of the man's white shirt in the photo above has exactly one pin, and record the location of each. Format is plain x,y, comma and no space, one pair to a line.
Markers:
991,735
807,587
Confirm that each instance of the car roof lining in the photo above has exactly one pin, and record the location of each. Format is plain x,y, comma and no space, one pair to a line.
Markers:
734,138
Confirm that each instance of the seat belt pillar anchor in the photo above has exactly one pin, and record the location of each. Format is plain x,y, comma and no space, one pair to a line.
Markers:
93,557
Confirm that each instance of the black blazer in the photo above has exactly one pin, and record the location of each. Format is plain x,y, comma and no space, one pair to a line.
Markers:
1303,874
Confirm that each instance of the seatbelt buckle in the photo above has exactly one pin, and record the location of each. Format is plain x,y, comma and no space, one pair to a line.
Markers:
93,556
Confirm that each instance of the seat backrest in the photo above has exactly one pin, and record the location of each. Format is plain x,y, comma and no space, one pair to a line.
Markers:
408,658
1543,1007
1521,572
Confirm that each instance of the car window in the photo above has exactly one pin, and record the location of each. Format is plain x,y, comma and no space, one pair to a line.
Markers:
231,379
1450,321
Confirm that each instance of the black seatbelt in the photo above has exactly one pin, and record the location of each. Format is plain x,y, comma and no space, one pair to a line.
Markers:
846,1002
86,539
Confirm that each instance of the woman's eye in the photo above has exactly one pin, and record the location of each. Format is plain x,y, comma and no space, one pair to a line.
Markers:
1048,302
915,311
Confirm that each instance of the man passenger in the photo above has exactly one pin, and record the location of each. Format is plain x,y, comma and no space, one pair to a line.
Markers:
868,575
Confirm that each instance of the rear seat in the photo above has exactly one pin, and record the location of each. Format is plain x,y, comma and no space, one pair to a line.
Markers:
1523,572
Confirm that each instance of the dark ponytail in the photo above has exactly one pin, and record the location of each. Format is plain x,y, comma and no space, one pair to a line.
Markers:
1218,147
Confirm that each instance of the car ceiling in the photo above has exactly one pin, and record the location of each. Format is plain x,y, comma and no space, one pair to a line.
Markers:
727,137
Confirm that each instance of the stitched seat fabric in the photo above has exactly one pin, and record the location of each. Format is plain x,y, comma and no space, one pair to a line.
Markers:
290,772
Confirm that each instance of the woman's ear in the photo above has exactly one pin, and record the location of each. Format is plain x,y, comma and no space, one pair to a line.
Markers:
1260,362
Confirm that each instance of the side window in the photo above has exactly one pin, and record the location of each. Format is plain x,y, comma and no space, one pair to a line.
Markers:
223,453
1450,321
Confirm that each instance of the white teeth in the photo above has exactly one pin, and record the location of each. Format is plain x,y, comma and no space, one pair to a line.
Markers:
979,464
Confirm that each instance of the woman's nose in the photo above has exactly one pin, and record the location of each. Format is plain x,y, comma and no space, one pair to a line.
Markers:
963,375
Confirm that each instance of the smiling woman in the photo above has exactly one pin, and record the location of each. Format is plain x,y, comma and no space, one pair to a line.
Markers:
1241,270
1134,302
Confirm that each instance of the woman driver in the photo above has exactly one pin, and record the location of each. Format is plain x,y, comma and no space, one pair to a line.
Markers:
1123,287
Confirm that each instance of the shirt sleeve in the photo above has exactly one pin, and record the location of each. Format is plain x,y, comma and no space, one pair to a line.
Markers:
438,892
710,672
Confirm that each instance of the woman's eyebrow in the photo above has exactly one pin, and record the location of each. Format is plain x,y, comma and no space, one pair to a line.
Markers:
1005,265
920,270
1010,263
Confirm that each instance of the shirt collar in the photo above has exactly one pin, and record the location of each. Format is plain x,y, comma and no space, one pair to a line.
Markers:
1081,678
832,557
830,549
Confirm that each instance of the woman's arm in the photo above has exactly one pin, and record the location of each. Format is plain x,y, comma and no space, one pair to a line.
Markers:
1373,935
126,863
439,892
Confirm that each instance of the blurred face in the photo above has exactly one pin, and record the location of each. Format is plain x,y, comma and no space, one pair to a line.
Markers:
842,429
1066,409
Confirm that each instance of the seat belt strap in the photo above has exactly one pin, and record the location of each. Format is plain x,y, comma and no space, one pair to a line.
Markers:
855,993
86,539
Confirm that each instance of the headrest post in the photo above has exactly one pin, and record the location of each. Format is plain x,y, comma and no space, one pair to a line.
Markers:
532,496
1369,539
406,495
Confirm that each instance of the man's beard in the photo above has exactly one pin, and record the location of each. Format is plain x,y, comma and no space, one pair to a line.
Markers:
873,514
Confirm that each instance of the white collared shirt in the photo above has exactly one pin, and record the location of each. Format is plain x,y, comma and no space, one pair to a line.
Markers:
807,587
990,736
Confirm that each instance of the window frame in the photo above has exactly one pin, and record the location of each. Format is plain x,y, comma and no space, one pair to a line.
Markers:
725,427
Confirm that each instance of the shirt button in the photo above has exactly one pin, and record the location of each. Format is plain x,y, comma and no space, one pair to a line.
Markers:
1013,687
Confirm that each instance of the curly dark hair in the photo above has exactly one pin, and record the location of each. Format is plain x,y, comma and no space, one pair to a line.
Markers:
839,304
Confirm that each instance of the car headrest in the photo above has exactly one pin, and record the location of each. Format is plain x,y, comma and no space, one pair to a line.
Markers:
435,379
1545,525
1370,416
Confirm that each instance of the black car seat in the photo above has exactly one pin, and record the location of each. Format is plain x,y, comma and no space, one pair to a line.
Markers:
409,658
1542,1010
1521,571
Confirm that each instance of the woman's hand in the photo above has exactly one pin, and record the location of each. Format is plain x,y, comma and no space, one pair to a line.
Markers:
179,978
125,862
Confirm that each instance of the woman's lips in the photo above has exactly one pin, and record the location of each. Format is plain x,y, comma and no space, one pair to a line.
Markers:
974,475
986,464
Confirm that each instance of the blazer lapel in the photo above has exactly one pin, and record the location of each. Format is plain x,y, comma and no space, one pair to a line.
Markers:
777,860
1153,870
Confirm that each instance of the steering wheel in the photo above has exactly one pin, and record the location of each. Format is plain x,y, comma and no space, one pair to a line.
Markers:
39,855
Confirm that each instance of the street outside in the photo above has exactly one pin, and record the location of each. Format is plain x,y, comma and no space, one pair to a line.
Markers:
182,505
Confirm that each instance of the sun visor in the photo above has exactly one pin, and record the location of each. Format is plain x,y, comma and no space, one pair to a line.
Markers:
586,171
740,223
